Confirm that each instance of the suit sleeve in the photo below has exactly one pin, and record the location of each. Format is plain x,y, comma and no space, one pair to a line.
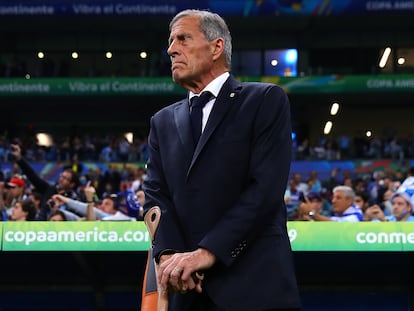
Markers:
157,194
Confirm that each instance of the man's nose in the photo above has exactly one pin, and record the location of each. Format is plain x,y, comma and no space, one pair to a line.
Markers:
172,51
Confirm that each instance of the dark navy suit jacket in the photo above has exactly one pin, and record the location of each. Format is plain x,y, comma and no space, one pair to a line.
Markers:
226,194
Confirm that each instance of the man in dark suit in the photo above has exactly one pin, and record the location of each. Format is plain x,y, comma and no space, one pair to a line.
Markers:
221,197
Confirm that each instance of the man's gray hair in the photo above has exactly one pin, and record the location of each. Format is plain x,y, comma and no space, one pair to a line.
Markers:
348,191
212,26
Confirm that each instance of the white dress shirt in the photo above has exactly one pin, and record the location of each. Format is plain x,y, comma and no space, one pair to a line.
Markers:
214,88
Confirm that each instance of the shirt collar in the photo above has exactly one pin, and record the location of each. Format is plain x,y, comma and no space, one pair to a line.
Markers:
213,87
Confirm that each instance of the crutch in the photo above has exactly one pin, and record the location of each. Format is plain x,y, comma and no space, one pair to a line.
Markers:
152,219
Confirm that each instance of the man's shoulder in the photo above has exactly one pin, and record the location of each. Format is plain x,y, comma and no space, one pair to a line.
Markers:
261,87
170,108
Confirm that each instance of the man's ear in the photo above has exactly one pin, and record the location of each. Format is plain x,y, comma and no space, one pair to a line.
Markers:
217,48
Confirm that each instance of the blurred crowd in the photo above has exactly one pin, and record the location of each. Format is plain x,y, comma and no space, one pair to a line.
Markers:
117,148
115,193
378,196
112,194
345,147
84,148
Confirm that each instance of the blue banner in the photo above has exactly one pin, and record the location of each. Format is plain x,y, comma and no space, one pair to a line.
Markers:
94,8
223,7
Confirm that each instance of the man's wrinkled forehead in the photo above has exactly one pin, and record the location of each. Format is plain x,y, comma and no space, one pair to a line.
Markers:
185,24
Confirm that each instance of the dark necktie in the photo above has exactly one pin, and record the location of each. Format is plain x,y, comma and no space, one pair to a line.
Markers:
196,115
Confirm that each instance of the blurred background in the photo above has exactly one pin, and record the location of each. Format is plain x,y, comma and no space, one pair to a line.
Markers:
356,54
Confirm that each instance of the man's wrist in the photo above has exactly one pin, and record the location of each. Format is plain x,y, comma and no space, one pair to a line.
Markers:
162,253
211,258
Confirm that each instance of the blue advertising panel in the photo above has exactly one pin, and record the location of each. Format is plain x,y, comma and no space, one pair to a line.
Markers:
227,7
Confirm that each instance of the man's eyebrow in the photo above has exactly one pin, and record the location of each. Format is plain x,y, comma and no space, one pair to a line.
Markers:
180,36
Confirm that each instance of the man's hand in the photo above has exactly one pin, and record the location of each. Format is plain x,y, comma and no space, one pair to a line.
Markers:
178,271
59,199
89,192
374,212
305,210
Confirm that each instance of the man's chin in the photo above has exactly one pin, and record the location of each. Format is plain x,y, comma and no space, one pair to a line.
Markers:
178,79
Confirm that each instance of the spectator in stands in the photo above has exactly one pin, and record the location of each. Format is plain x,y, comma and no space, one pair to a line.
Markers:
96,177
123,149
138,178
348,181
375,148
144,150
362,200
407,184
401,209
112,177
66,185
359,185
131,203
299,183
311,206
342,205
314,183
293,197
15,191
334,180
344,143
107,209
376,184
23,210
36,197
303,150
57,215
386,204
108,153
75,164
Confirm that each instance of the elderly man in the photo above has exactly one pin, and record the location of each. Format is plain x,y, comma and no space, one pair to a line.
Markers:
342,205
218,168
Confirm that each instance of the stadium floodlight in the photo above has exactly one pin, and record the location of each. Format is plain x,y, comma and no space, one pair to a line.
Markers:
384,57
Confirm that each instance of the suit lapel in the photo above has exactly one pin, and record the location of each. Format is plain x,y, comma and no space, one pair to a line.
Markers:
224,101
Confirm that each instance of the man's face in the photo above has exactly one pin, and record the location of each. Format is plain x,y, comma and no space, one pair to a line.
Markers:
17,212
340,203
65,180
359,201
108,206
191,54
400,207
15,191
316,205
